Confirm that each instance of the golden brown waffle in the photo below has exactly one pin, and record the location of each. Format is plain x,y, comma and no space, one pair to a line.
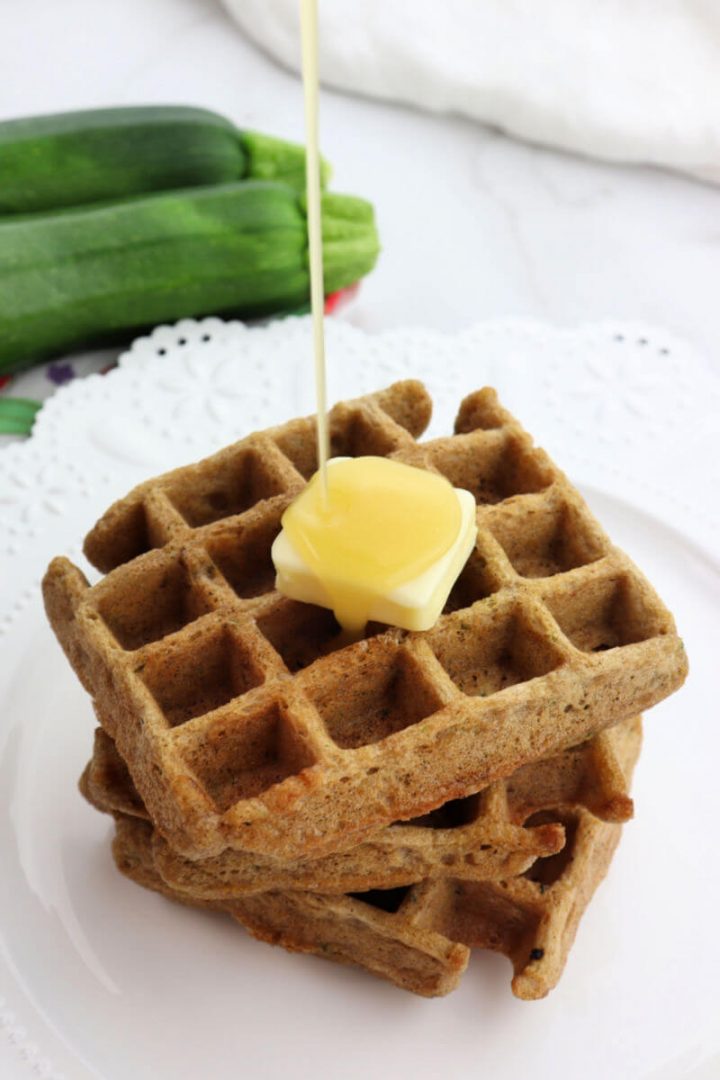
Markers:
419,937
243,722
338,928
478,838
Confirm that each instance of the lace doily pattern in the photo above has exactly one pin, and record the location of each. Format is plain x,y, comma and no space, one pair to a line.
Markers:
627,410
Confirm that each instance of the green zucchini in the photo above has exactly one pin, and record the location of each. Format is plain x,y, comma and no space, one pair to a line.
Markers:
17,415
81,276
269,158
72,159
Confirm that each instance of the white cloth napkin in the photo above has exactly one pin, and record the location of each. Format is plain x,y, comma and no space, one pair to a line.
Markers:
624,80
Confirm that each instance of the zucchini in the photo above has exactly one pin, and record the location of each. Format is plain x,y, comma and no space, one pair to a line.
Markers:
81,276
269,158
72,159
17,415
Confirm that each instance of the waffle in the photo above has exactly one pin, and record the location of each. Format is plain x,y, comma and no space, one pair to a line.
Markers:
244,722
481,837
419,937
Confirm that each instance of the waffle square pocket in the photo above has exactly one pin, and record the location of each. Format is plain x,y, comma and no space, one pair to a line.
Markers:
247,724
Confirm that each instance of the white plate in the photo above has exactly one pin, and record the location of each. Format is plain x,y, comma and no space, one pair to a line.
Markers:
99,978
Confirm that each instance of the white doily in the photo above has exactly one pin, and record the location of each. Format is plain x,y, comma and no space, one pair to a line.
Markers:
625,410
622,408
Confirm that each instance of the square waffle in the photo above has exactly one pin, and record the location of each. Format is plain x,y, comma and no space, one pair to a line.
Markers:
244,723
419,937
482,837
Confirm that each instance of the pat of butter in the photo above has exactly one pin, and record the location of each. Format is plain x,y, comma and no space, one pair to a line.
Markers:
414,604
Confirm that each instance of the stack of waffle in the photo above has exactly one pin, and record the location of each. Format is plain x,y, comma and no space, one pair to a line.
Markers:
391,803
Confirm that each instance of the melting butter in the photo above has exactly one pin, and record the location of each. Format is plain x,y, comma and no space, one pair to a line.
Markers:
385,542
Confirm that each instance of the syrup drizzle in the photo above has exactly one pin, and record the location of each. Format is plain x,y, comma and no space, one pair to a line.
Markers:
309,24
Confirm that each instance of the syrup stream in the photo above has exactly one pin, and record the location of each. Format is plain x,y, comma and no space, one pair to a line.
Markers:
309,24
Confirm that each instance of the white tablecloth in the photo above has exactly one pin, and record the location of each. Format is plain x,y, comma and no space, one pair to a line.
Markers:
623,80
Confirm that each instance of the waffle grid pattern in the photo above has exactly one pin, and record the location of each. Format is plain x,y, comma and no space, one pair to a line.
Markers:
243,728
487,836
420,937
